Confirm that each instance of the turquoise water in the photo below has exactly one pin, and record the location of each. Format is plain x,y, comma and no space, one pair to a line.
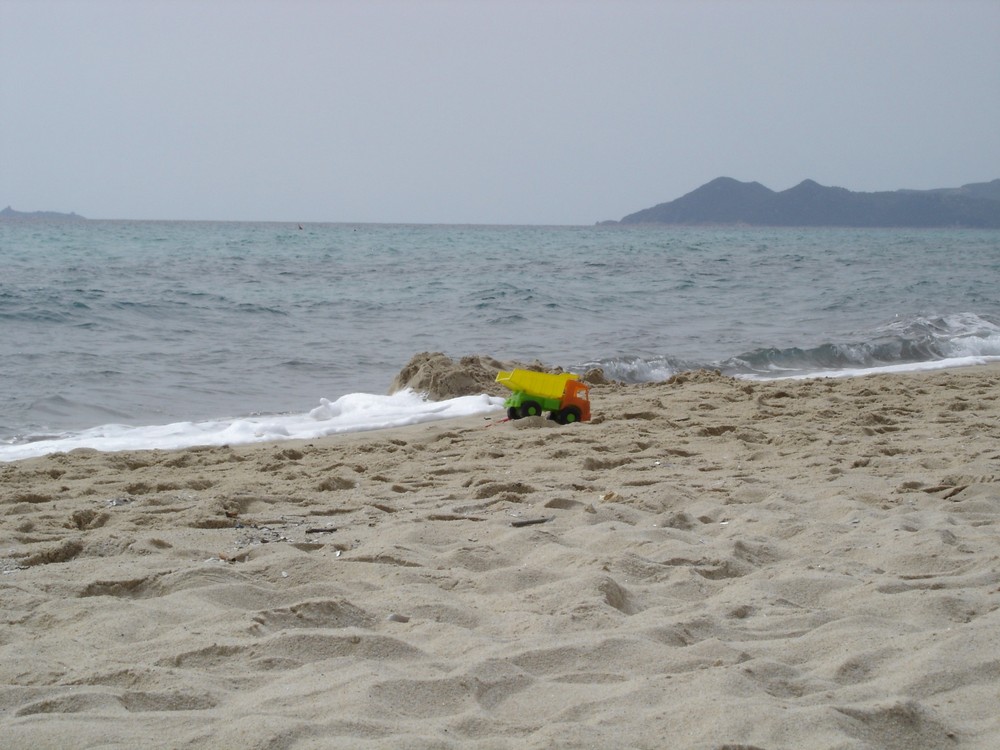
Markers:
155,322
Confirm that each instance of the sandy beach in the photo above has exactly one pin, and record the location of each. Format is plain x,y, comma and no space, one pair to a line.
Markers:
709,563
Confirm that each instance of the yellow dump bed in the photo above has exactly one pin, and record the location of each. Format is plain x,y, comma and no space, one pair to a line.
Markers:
541,384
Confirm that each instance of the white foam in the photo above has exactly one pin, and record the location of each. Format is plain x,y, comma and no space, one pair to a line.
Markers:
853,372
354,412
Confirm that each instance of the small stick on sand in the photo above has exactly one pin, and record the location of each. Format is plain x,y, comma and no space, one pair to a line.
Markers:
531,521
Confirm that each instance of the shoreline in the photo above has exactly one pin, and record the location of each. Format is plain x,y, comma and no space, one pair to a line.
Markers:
463,386
806,563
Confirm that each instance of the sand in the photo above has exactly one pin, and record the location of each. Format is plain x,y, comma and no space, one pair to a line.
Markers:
714,564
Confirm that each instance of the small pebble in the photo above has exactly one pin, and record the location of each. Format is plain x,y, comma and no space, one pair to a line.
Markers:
397,618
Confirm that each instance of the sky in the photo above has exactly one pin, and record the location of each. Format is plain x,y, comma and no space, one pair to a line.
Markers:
483,111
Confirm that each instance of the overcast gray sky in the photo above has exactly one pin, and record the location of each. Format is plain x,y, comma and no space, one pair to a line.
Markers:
483,111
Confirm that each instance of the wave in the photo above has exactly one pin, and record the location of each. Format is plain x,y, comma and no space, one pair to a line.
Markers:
913,343
634,369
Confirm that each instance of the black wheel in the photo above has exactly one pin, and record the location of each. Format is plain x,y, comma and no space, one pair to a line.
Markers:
568,415
531,409
513,412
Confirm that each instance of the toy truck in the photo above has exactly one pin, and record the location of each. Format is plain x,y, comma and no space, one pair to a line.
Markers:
562,394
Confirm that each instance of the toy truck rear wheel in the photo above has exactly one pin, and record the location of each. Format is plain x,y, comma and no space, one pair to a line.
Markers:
513,412
531,409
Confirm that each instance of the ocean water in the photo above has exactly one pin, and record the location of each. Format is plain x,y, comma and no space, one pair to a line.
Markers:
121,334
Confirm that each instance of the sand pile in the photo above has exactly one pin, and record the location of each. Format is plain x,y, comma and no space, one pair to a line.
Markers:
441,377
708,563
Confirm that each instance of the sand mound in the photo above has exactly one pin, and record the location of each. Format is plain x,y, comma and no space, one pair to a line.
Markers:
441,377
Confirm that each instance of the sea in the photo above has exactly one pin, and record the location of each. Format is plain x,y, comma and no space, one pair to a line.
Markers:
148,334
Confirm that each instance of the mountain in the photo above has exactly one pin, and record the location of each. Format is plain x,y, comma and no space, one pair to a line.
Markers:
728,201
10,213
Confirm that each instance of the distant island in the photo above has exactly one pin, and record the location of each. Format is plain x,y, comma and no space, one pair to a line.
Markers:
730,202
9,213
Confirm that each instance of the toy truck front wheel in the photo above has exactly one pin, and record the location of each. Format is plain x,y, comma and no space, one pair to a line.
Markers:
567,415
